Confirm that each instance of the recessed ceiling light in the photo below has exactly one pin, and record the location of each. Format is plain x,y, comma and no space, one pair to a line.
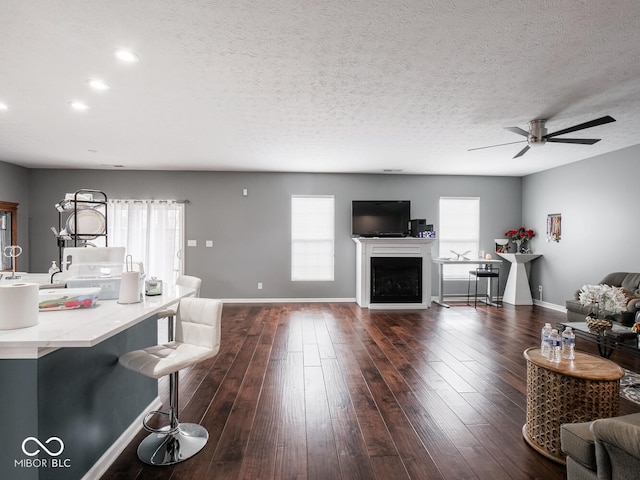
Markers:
4,106
79,105
98,84
126,55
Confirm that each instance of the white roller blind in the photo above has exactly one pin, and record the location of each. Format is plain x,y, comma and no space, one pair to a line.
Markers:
312,237
459,232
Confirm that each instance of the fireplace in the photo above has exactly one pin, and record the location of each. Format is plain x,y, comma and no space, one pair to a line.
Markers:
396,280
402,269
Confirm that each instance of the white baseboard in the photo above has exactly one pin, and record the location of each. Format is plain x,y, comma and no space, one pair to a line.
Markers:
551,306
288,300
114,451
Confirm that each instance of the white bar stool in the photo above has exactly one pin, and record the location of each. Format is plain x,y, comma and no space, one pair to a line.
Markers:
170,313
197,339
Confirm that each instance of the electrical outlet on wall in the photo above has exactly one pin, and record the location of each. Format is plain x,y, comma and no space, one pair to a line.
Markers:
259,285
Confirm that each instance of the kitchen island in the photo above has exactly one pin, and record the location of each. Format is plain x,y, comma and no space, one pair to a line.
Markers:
68,408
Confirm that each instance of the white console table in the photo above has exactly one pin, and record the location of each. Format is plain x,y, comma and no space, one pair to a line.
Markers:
391,247
517,290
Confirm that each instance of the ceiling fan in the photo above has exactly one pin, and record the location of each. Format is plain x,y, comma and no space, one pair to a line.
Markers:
538,136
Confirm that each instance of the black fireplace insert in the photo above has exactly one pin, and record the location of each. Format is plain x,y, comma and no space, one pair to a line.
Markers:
396,280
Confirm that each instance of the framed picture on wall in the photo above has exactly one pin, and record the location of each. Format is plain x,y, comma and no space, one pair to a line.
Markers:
554,227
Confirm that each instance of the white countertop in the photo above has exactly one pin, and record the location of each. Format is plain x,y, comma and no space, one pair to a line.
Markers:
83,327
39,278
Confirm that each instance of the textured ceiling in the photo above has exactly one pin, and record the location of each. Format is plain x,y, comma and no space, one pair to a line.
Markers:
315,85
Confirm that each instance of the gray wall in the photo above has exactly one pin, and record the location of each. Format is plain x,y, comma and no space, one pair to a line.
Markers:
14,187
251,234
598,200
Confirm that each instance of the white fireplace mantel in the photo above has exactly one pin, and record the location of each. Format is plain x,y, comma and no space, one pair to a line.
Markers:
391,247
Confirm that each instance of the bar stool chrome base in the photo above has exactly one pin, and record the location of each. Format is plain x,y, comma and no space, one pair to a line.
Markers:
197,339
167,449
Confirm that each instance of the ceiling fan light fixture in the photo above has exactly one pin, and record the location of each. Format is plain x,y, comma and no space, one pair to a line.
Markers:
537,132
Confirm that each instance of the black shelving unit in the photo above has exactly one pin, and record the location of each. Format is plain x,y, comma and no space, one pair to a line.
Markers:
69,208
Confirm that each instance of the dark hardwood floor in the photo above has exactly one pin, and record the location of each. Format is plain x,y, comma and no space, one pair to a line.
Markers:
332,391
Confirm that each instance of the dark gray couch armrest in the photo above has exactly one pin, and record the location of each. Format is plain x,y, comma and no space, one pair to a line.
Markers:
617,446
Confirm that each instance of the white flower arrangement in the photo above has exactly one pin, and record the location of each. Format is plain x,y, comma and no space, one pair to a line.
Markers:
603,298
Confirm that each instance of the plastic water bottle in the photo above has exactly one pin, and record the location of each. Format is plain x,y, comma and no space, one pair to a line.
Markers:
568,344
555,346
544,340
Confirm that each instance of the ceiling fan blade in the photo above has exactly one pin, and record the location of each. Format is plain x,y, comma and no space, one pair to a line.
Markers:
582,126
522,152
582,141
517,130
498,145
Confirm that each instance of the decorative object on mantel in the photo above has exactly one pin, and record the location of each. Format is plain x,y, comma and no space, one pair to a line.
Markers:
554,229
521,237
602,298
502,245
461,256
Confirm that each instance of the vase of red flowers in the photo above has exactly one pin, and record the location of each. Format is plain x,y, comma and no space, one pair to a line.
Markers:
520,237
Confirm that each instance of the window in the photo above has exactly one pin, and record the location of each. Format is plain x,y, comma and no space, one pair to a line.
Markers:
152,231
312,235
459,232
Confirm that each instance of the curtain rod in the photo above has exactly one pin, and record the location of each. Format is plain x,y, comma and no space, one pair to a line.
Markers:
151,199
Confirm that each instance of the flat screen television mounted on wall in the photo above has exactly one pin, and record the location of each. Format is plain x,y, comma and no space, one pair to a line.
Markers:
380,218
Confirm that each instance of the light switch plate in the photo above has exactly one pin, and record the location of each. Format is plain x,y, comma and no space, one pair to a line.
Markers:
192,243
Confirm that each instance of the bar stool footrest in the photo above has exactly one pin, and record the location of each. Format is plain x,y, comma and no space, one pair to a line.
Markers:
163,430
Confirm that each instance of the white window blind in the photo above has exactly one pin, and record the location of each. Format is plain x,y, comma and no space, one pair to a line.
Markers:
312,237
459,232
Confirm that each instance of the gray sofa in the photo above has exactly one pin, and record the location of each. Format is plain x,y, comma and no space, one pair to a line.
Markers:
630,282
606,449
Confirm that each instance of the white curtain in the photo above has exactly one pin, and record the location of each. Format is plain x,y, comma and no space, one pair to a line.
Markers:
152,231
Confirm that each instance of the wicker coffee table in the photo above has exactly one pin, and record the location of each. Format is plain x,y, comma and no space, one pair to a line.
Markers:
571,391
